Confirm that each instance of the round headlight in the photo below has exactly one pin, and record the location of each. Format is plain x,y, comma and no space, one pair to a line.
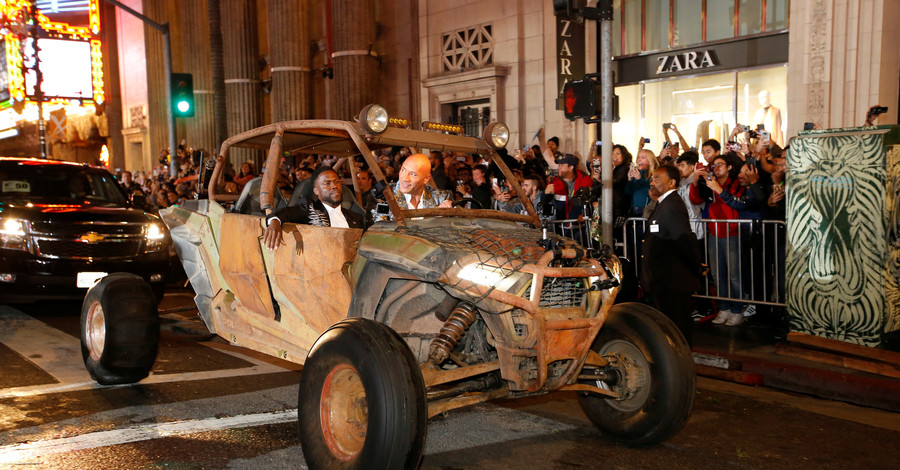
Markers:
374,118
496,135
155,232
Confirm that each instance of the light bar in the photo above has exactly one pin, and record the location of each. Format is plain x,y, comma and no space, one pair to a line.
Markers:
398,122
439,126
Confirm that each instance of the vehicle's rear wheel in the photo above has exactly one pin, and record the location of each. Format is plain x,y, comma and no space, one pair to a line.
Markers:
119,329
653,371
362,400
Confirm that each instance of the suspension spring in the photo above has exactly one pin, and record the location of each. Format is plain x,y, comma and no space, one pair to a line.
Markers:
461,318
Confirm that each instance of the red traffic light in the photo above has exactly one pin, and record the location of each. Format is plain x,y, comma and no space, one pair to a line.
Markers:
578,99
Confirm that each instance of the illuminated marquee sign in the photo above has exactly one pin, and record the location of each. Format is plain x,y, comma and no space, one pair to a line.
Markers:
71,55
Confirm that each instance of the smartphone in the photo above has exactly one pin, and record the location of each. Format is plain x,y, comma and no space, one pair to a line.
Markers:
876,110
733,146
599,143
667,125
460,159
760,127
698,166
494,181
808,126
667,144
646,140
751,160
764,135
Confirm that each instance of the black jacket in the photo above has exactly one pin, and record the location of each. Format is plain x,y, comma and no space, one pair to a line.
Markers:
671,254
314,213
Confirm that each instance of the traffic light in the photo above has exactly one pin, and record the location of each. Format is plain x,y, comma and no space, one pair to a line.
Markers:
182,95
567,8
579,99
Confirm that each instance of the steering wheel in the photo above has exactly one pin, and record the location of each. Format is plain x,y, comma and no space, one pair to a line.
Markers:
467,200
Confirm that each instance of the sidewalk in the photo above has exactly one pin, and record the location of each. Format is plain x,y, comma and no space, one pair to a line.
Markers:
747,354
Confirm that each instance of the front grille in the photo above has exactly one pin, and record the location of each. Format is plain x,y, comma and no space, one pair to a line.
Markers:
563,292
77,229
76,249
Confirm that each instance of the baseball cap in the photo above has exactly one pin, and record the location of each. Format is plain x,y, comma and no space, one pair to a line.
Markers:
568,159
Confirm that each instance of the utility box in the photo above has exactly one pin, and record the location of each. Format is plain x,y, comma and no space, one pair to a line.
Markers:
843,244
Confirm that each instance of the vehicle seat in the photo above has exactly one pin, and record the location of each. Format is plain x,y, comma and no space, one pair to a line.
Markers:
248,201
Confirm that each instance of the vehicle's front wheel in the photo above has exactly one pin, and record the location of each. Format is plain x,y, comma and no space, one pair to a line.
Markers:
652,369
119,329
362,400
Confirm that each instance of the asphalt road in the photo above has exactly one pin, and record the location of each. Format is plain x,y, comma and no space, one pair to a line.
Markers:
211,405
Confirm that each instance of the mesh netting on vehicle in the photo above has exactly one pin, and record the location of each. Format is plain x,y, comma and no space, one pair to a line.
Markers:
491,247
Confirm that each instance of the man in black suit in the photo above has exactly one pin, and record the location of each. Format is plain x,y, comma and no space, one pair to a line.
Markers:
671,260
326,211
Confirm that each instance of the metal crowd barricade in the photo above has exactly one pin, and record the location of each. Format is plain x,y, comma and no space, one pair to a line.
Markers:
577,229
758,263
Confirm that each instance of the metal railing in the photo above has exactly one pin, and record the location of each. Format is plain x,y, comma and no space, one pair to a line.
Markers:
577,229
751,258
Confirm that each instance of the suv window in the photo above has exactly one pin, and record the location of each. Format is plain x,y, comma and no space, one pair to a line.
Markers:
58,182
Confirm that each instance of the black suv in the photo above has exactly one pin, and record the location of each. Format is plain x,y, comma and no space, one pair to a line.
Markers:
63,226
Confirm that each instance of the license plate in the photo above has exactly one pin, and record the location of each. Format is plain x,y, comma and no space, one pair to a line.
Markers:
88,279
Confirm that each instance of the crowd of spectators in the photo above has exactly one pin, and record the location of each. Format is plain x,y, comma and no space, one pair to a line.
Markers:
744,182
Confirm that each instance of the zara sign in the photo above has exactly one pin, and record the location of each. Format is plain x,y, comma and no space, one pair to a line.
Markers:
692,60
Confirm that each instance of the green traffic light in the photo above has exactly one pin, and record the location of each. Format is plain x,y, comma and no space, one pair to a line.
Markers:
183,106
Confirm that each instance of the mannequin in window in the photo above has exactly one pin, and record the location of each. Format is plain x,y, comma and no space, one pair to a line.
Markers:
769,116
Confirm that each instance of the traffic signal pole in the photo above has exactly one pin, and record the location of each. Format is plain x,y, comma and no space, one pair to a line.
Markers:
167,66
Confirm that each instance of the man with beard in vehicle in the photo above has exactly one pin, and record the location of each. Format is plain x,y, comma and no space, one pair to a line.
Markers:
326,211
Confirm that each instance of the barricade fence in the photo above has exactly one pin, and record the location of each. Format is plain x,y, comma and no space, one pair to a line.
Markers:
746,258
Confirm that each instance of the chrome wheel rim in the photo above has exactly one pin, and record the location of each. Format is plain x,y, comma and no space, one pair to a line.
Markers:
95,330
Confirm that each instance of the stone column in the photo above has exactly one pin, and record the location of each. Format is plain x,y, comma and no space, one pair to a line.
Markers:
200,129
115,140
242,84
157,107
355,65
289,49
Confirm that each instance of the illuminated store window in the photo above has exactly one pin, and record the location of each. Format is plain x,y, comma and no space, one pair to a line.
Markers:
702,107
688,22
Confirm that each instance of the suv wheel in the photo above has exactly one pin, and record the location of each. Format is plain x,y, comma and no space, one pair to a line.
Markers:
655,379
362,399
119,329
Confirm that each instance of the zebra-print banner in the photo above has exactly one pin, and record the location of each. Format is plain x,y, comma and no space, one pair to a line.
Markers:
843,253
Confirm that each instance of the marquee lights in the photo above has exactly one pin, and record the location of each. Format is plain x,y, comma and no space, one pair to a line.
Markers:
17,13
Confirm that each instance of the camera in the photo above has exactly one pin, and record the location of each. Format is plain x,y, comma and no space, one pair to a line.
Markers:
382,209
764,135
460,159
743,128
808,126
753,134
876,110
760,127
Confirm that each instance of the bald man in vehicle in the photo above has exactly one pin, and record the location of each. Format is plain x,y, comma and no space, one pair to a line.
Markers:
411,189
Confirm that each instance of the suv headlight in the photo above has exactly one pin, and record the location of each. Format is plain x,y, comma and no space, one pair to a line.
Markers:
155,236
12,234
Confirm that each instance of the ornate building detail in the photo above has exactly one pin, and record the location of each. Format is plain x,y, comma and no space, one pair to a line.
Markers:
136,117
467,49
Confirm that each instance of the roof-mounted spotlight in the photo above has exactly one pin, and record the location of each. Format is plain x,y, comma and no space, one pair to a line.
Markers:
374,119
496,134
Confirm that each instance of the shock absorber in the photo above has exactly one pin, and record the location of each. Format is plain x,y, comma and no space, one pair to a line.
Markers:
461,318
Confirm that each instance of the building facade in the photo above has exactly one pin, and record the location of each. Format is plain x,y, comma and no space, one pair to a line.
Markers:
702,65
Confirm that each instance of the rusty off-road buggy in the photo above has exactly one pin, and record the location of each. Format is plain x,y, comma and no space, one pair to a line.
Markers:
435,310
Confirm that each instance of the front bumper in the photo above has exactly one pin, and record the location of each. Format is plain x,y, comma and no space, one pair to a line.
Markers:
55,279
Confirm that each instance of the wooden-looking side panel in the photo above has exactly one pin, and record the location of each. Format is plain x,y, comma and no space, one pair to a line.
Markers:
308,274
241,262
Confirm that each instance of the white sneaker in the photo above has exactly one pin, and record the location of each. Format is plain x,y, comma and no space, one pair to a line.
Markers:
735,319
750,310
722,317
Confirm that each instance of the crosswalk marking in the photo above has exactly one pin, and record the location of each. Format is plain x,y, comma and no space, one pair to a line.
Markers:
23,453
59,354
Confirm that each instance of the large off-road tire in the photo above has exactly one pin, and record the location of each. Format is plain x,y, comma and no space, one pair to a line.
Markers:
362,400
655,373
119,329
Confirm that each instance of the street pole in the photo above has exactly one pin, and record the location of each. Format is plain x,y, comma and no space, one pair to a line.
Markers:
38,80
167,66
606,111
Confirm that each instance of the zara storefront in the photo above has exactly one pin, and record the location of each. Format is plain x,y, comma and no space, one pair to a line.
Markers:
702,65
